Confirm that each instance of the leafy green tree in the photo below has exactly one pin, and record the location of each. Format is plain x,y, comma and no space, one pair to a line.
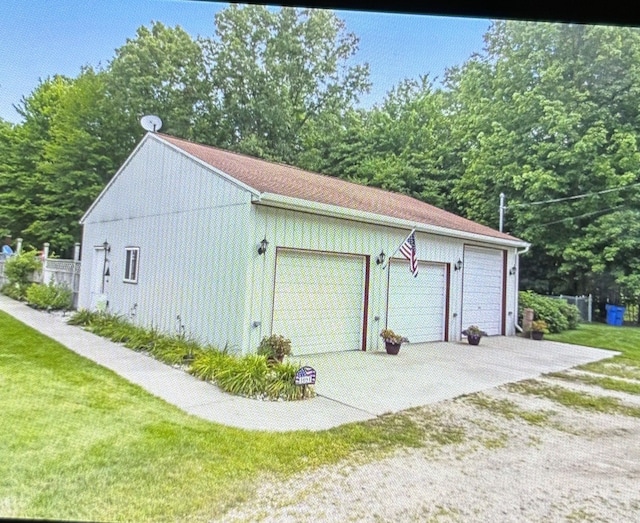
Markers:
277,72
76,162
547,113
401,145
161,71
21,180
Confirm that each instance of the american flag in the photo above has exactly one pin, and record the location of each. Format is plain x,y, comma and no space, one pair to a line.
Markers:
408,250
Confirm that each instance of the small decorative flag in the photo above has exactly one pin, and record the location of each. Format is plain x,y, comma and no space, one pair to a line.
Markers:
408,250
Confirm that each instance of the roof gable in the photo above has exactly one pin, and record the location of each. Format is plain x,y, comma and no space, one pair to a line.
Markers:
285,180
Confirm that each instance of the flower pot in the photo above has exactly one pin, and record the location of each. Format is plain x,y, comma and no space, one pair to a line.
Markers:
392,348
474,339
537,335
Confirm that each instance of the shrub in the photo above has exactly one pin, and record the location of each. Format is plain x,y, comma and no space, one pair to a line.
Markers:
142,339
208,363
558,314
281,383
112,326
174,350
572,313
246,376
275,348
254,375
82,317
53,296
15,290
19,269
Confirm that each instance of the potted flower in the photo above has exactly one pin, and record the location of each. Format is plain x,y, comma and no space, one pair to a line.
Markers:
538,329
392,341
473,334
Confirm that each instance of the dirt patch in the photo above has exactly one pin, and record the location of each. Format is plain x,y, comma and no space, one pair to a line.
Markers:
500,455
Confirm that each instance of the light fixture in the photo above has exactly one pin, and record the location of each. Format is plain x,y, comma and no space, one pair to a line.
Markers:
513,270
105,267
263,246
380,258
458,265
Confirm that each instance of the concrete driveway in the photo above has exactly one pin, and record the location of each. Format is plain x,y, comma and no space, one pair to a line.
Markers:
424,373
351,386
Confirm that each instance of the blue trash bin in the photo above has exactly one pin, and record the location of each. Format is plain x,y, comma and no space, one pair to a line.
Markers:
615,315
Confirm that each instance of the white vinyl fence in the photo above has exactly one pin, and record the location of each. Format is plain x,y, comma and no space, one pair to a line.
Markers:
63,272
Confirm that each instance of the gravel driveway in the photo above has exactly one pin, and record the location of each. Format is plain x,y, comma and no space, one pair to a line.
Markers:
506,454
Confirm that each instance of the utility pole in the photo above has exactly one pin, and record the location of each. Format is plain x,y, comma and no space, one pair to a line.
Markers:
501,211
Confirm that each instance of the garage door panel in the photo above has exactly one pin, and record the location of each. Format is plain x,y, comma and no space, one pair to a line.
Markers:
319,300
483,289
416,306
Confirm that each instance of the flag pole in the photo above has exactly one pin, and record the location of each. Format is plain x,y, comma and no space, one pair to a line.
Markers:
384,265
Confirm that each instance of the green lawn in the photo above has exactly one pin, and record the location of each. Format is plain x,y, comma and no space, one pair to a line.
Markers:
623,339
79,442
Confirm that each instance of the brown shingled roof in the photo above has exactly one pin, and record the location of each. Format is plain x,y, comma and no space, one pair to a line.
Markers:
284,180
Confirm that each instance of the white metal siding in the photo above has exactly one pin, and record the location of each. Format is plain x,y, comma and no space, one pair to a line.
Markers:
297,230
318,301
417,305
192,230
482,289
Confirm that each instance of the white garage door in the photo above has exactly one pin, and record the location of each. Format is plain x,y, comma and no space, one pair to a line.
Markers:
482,289
417,306
319,301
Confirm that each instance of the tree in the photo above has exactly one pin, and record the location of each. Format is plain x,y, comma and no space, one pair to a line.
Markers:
161,71
548,113
76,162
21,180
401,145
55,163
276,73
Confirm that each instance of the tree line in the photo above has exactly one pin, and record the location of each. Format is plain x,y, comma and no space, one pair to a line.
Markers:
547,114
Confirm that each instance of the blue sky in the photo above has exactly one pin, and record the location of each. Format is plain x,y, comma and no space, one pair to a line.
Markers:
40,38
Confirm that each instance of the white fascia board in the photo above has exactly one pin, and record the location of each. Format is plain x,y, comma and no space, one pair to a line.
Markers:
254,193
113,178
297,204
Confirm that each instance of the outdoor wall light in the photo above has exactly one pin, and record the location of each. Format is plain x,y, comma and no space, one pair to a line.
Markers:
513,270
380,258
458,265
263,246
105,264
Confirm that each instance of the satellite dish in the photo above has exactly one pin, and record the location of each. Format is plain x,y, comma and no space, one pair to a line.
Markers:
151,122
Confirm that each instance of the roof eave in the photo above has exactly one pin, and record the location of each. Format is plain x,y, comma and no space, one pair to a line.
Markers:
335,211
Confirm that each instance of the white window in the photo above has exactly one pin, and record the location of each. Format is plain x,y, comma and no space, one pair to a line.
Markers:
132,254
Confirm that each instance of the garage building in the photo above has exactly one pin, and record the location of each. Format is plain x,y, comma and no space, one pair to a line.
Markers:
227,249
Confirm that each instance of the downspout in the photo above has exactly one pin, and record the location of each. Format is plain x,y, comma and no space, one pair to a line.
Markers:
518,253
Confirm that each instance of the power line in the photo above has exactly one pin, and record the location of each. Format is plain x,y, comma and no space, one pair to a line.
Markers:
583,215
577,197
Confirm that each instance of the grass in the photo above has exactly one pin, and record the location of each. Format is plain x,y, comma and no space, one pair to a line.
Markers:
623,339
573,399
77,442
603,382
509,410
